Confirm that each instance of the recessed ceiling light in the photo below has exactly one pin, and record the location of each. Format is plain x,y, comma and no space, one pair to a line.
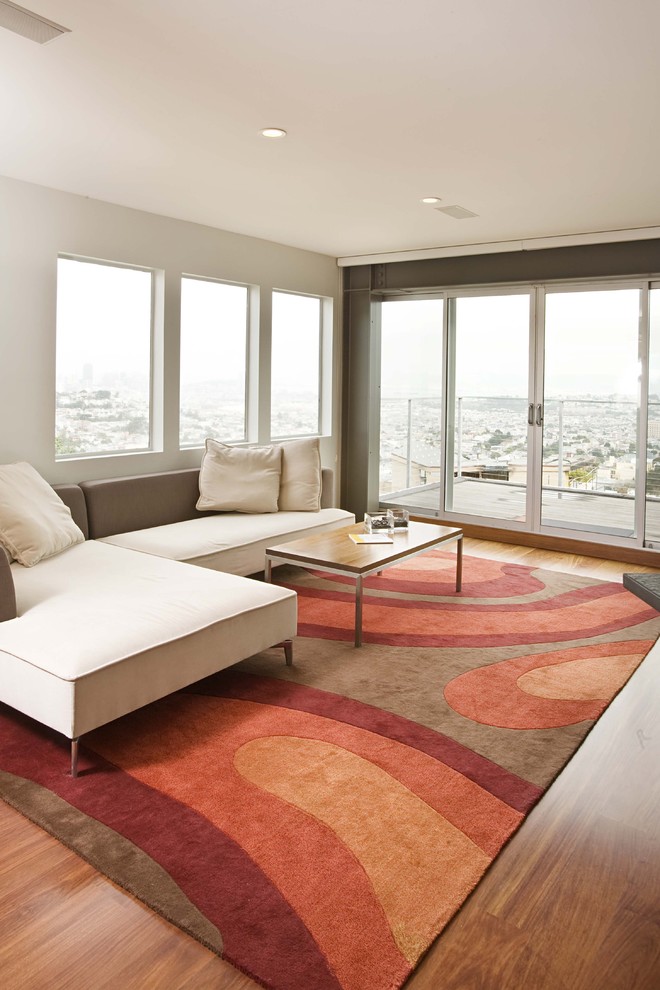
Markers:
273,132
431,199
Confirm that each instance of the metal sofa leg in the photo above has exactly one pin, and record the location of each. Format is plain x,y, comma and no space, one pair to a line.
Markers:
74,757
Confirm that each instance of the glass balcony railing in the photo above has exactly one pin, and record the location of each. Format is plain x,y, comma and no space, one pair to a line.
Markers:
589,460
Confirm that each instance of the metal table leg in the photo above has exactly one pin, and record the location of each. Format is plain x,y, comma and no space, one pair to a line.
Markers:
358,610
459,563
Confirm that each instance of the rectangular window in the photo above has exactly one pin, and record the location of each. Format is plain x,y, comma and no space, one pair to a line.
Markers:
103,358
214,335
296,365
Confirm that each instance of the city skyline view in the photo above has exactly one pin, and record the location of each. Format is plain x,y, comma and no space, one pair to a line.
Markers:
105,364
590,379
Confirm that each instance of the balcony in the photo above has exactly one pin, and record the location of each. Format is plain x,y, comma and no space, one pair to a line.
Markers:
581,500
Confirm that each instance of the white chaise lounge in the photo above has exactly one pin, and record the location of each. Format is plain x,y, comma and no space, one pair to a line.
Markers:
116,617
101,631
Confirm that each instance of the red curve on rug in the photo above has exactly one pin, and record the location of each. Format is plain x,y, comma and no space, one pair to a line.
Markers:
212,870
582,613
135,780
518,793
486,579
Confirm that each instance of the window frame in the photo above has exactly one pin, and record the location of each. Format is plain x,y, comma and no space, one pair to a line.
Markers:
324,366
154,431
538,290
247,375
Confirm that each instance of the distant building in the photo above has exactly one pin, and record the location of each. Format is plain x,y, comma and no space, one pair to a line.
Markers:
424,469
550,475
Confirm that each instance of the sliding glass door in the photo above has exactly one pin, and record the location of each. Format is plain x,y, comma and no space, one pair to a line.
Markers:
488,386
411,403
591,398
536,408
652,501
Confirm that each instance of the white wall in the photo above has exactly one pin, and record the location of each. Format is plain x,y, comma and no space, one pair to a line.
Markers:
37,224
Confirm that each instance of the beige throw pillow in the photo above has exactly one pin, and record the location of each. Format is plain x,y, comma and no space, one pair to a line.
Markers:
239,479
300,487
34,521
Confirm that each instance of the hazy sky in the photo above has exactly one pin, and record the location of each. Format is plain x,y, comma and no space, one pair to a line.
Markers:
104,320
591,344
411,351
213,331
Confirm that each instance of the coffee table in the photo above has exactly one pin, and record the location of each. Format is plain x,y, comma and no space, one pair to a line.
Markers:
335,552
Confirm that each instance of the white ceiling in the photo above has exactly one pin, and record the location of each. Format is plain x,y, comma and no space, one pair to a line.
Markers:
541,117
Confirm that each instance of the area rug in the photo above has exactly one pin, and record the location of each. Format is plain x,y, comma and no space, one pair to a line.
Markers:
318,826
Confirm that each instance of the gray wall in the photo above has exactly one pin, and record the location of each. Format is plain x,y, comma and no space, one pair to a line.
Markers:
37,224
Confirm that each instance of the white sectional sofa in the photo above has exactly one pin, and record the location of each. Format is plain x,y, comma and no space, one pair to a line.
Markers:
121,619
156,514
101,631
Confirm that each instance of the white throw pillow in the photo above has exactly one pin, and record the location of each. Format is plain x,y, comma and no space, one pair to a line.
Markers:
239,479
34,521
300,487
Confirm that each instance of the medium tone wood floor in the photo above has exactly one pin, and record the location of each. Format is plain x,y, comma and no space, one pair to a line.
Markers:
572,903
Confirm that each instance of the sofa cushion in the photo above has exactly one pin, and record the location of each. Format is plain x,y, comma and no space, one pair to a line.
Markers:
240,479
34,521
230,541
300,484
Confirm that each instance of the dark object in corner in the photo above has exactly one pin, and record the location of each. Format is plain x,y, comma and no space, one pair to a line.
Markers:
645,586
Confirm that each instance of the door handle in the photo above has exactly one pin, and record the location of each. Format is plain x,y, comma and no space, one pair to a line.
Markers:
539,415
530,414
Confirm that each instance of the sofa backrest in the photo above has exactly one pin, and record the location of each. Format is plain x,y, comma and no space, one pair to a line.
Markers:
72,495
123,505
7,593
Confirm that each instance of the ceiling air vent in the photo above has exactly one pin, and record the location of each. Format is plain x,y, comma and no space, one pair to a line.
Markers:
32,26
457,212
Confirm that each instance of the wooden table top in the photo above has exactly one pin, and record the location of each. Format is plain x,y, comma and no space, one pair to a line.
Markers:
334,548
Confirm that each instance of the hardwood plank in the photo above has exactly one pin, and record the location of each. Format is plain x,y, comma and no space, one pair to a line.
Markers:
572,902
630,555
63,926
561,895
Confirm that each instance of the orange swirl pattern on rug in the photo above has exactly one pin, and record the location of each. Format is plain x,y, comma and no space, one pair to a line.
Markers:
546,690
587,612
328,819
434,573
335,813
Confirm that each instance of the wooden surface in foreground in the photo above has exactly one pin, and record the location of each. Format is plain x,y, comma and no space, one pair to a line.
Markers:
572,903
336,549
